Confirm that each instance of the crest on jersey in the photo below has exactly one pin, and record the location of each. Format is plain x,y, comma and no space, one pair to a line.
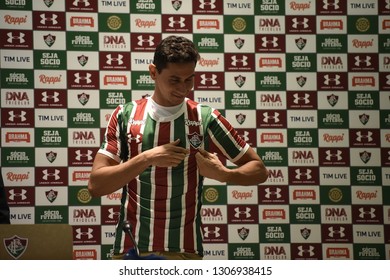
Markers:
195,139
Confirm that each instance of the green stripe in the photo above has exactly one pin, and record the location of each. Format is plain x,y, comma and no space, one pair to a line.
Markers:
178,180
147,143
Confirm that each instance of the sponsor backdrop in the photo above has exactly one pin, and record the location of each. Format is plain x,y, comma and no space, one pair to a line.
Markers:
305,82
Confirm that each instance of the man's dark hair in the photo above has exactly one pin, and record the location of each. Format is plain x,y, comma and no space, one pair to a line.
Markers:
174,49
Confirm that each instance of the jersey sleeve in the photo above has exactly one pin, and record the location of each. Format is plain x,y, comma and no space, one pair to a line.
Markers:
225,137
111,144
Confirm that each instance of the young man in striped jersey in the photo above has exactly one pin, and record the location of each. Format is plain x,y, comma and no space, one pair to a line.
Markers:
156,150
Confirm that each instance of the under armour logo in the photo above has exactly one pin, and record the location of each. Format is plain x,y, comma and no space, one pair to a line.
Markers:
88,234
209,3
143,40
55,175
84,2
332,155
299,174
19,38
303,23
334,4
173,22
335,80
370,212
359,60
301,98
53,19
333,231
214,232
118,59
137,139
13,193
54,96
86,78
112,214
367,136
243,60
269,42
13,116
306,250
79,155
239,212
208,79
269,116
275,192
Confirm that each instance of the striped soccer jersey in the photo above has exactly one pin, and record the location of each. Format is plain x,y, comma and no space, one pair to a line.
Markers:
163,204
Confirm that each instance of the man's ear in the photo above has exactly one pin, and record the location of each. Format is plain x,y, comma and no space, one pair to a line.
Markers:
152,71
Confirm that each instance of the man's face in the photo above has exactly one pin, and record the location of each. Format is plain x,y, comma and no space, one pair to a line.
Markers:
173,83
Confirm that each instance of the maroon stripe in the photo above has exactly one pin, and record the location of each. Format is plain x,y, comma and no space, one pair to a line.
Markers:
161,192
191,196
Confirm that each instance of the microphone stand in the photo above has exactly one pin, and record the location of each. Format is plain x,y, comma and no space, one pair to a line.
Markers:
127,228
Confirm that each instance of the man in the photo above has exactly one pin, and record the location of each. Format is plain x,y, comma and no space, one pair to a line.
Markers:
4,209
156,149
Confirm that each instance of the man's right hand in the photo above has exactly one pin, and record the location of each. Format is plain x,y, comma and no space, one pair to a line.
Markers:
167,155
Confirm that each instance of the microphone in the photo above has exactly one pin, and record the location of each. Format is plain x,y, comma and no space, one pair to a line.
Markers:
133,253
127,228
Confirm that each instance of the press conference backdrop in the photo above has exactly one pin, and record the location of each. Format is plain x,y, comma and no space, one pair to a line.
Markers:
306,83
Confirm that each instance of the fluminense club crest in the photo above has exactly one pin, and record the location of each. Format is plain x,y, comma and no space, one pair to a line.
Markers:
48,3
243,232
301,81
195,139
240,118
176,4
83,98
239,42
364,118
51,195
365,156
305,232
15,246
300,43
82,59
332,99
240,80
49,39
51,156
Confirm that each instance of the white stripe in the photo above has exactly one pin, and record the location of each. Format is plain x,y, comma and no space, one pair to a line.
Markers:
169,193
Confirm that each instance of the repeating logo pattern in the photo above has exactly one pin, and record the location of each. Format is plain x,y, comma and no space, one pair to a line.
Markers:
306,84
